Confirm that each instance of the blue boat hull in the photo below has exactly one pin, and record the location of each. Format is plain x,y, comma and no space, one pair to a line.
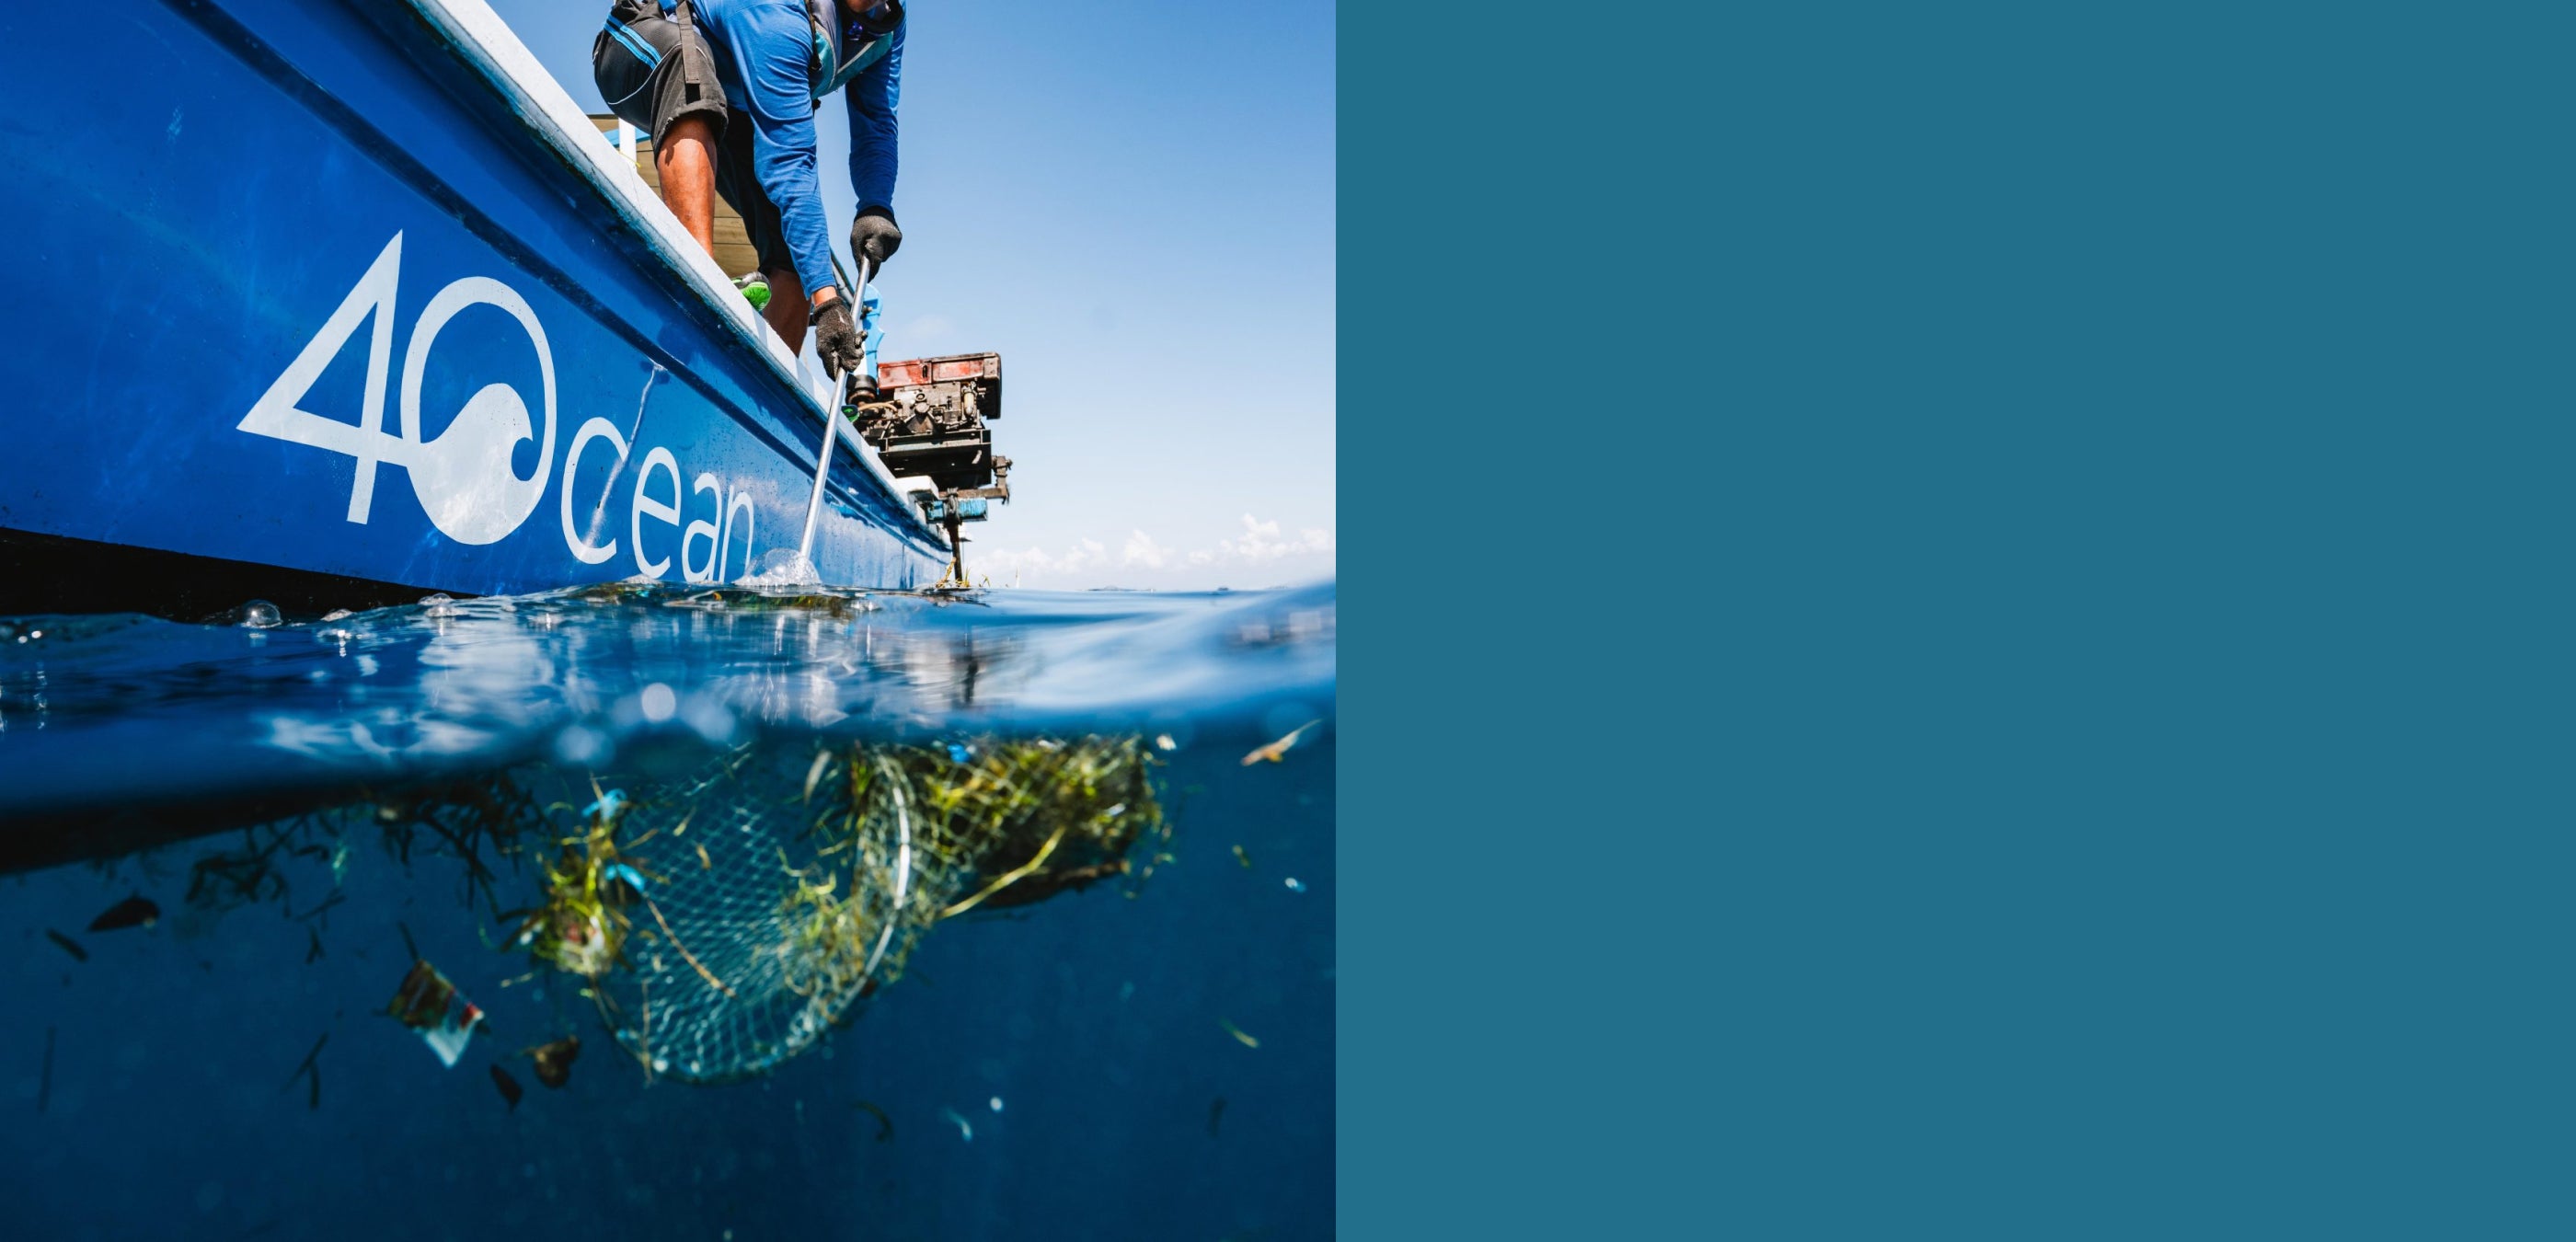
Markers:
298,286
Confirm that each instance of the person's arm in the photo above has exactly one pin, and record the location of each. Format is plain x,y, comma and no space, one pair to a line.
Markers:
770,57
870,98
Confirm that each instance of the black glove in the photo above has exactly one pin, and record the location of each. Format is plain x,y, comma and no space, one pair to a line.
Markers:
837,339
874,234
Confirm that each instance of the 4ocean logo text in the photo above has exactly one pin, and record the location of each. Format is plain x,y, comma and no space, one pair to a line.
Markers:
464,477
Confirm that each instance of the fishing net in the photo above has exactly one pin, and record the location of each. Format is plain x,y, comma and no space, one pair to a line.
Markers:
726,920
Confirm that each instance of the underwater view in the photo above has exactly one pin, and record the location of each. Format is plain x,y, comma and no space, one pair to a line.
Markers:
728,914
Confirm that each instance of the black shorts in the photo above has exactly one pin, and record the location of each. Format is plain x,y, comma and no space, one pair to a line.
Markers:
641,64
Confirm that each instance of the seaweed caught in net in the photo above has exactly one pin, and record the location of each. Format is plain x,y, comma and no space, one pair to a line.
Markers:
725,921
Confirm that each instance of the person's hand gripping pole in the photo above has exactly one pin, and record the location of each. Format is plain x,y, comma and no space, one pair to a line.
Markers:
841,344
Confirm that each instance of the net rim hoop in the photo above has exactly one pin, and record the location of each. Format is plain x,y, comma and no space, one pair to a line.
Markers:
902,865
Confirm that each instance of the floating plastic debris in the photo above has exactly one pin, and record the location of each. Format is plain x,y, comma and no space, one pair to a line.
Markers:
135,911
554,1061
69,945
1295,885
1244,858
814,774
508,1087
1278,751
962,1127
620,871
1237,1032
997,1103
433,1009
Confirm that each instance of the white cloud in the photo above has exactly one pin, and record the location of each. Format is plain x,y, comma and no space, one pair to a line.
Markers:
1037,562
1142,550
1258,555
1261,542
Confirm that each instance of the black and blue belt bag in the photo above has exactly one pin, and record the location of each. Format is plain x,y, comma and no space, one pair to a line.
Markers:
638,37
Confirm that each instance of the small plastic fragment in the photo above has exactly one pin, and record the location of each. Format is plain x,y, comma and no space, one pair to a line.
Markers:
814,774
509,1087
554,1061
1277,751
434,1010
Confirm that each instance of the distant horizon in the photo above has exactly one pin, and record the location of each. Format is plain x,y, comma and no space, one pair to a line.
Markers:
1086,197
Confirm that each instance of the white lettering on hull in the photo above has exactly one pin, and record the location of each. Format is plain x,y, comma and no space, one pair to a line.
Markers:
464,478
595,429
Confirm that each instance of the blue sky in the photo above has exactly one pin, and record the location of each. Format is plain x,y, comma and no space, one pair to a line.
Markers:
1134,205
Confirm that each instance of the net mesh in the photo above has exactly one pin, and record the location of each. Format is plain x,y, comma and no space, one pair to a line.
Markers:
728,919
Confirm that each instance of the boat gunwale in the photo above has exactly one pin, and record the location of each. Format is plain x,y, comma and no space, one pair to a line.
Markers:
486,43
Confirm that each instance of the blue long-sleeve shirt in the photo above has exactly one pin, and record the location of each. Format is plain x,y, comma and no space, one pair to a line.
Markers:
763,56
870,98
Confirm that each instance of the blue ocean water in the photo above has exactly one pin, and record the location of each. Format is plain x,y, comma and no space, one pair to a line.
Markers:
1147,1057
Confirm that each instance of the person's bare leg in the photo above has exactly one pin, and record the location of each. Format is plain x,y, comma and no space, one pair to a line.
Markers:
787,313
686,162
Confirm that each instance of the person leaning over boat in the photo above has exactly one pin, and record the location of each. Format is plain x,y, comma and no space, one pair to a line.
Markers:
728,90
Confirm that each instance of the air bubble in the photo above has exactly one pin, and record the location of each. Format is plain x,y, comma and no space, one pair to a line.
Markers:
259,614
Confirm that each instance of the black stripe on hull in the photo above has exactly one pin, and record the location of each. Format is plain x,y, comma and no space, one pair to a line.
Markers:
58,574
